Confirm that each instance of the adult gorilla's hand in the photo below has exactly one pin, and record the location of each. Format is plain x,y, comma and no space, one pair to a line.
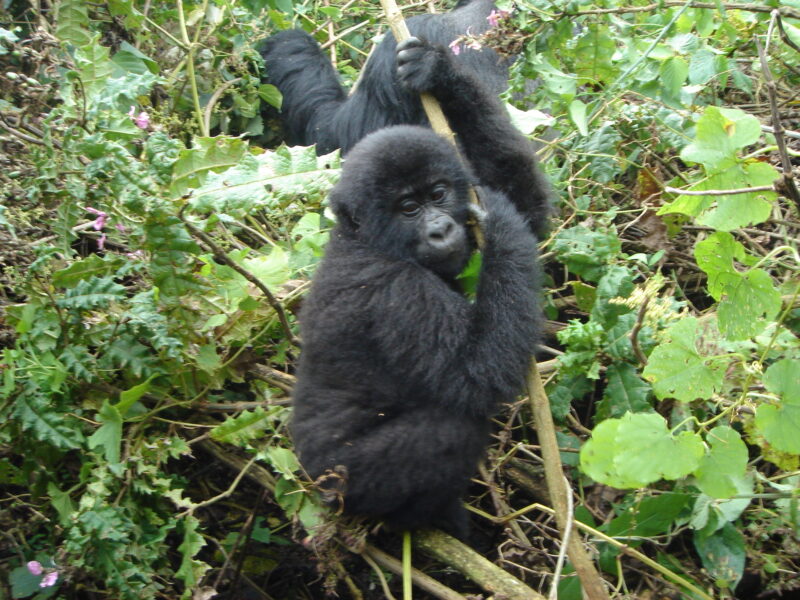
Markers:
420,64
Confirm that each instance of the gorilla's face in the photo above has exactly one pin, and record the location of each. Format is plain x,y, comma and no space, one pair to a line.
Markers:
404,192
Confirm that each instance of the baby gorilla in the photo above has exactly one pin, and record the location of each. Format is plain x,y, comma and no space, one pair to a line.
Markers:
400,373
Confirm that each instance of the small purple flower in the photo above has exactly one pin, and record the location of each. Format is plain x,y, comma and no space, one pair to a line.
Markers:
496,16
142,120
455,46
49,579
121,228
100,221
35,567
102,241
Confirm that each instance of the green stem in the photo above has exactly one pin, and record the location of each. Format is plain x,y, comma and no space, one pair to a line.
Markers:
190,70
406,565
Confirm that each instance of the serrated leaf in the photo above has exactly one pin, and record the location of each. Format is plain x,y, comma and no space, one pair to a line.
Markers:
677,370
191,570
283,461
242,429
96,292
109,435
638,449
91,266
72,24
263,180
723,465
593,56
208,154
702,66
625,392
586,251
673,73
36,416
208,359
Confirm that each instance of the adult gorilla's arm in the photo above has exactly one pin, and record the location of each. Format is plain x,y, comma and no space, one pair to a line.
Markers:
499,155
474,354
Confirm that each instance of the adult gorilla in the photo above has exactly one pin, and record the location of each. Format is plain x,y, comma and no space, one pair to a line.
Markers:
399,373
317,110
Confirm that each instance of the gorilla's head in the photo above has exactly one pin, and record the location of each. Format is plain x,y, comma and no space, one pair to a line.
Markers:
403,192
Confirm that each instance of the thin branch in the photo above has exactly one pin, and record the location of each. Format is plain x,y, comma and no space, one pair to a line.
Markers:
750,190
214,99
790,188
634,335
222,257
562,553
786,11
421,580
593,585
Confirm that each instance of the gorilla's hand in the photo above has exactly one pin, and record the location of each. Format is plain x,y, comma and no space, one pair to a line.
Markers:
420,64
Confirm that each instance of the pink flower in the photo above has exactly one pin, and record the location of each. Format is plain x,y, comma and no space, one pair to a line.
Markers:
49,580
142,120
496,15
121,228
100,221
35,567
101,242
455,47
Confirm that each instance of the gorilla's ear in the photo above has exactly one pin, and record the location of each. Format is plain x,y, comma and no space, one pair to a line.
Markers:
345,213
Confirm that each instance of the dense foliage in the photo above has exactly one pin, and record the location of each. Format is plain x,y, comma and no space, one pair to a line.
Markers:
148,214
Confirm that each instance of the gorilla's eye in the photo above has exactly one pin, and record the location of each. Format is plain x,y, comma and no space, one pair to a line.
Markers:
438,193
409,208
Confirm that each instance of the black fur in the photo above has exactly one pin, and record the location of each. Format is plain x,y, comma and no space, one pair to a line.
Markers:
399,373
317,110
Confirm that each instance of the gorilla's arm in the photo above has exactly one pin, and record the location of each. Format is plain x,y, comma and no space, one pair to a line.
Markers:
499,155
475,353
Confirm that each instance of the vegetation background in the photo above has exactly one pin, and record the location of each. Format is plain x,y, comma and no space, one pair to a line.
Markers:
148,212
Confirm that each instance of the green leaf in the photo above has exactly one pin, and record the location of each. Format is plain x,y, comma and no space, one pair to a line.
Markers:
674,71
723,555
243,428
207,358
780,423
96,292
109,435
721,132
263,180
270,94
702,66
650,517
748,306
36,415
593,57
723,465
283,461
91,266
783,378
62,502
638,449
716,255
586,251
191,570
577,112
208,154
625,392
131,396
24,583
730,211
72,22
677,370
